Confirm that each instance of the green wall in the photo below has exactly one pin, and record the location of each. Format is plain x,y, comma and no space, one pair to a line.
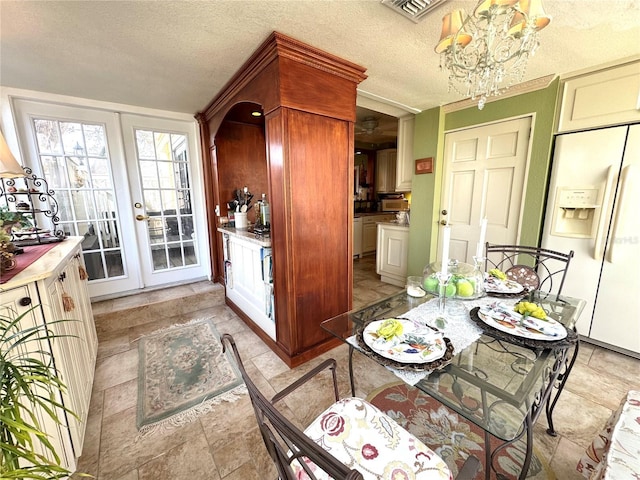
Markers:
430,127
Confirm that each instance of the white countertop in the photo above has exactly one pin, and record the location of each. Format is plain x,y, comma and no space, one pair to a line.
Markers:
246,235
393,224
44,266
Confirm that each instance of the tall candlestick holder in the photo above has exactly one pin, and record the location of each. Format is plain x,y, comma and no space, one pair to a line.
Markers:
443,281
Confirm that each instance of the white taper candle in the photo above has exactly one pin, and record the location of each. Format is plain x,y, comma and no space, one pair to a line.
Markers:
483,234
446,238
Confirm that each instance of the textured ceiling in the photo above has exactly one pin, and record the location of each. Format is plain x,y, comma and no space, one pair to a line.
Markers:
176,55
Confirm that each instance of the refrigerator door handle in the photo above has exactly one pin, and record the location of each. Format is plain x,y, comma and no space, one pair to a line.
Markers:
598,247
619,206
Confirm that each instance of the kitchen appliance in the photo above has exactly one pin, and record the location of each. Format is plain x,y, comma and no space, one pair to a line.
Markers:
394,204
592,209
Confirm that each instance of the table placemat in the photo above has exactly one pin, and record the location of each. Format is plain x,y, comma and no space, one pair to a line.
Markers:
569,340
415,367
460,331
23,260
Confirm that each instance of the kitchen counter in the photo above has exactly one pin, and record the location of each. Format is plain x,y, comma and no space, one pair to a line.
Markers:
393,223
370,214
247,235
44,266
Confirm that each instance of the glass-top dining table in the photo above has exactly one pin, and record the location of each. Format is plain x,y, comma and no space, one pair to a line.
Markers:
498,381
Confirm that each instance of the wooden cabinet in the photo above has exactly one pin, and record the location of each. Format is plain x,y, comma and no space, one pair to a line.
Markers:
605,97
386,170
305,144
392,253
405,164
54,285
357,237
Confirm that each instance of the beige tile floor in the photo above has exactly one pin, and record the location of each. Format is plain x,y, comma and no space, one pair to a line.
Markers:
225,444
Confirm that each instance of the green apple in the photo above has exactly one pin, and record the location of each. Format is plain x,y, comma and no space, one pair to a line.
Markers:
430,284
464,288
450,291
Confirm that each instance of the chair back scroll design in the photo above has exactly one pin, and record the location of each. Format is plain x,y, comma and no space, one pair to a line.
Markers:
284,441
550,266
295,453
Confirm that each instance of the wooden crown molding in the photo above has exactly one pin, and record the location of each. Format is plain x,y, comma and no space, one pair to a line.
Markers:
280,45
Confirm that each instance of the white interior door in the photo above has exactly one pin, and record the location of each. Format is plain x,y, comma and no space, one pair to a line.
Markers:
164,200
484,175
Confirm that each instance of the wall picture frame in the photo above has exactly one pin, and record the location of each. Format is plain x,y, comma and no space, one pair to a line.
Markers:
424,165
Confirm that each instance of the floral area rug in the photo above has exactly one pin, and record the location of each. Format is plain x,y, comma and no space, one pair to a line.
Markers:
182,374
450,435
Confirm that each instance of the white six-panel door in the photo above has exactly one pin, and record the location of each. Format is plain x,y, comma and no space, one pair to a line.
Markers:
484,176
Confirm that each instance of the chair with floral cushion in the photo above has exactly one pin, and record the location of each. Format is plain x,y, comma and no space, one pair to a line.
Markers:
534,268
350,440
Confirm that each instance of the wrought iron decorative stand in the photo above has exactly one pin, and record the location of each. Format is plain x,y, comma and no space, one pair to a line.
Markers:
32,197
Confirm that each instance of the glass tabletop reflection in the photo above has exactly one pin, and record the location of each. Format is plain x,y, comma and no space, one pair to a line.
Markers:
493,382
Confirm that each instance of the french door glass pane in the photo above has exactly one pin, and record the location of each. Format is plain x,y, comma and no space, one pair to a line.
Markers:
164,173
75,162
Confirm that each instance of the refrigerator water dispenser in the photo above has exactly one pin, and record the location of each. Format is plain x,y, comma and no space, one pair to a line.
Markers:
576,212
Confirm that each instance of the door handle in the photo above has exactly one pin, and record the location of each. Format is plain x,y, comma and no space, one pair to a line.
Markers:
598,247
443,222
141,218
618,206
444,212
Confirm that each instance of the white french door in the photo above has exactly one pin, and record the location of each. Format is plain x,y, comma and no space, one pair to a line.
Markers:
81,154
159,154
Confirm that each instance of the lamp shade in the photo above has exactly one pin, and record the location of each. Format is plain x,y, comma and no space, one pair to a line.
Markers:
9,166
451,31
534,12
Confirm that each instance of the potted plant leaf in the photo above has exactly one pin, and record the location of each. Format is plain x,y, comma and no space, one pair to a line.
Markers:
29,382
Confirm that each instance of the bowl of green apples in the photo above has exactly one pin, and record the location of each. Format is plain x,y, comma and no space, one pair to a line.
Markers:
465,282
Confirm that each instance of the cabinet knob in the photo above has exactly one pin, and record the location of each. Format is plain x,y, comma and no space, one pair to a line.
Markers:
24,301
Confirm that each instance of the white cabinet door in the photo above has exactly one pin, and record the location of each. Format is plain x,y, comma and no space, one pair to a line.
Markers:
404,160
15,302
357,237
392,254
247,288
76,348
386,170
605,97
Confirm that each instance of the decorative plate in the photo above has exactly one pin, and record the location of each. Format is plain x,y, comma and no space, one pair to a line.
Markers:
416,344
495,285
502,318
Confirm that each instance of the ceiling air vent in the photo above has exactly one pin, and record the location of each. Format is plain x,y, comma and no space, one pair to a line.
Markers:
414,10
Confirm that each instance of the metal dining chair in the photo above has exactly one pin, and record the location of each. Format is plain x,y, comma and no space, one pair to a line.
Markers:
534,268
350,440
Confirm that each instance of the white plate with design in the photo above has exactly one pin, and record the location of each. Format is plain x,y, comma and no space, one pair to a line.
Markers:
416,344
504,319
495,285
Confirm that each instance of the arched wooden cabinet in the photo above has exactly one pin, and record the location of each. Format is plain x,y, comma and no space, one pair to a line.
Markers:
302,158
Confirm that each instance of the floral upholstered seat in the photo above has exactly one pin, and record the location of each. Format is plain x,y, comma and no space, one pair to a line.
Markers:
365,439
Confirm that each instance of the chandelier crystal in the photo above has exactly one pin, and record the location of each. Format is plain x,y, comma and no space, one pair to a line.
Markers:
487,52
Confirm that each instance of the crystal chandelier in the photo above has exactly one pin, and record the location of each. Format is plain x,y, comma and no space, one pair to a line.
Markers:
487,52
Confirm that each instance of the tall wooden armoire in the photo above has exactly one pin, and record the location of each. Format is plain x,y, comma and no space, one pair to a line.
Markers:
309,102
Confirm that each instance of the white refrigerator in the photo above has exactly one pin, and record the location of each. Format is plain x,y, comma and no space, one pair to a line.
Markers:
593,208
